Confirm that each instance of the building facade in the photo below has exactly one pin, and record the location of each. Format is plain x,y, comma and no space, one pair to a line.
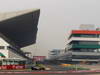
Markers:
84,45
11,57
57,54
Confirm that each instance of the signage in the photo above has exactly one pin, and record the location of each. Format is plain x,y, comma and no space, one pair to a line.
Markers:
9,67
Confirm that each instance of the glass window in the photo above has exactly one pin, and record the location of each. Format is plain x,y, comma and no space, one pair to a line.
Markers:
85,57
86,35
88,43
85,42
0,63
2,47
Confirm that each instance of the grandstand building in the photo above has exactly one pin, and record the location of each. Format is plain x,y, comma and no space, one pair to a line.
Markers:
17,30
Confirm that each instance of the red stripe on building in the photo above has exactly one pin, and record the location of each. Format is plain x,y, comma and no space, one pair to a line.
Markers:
85,32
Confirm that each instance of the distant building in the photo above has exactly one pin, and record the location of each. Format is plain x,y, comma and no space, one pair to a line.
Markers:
83,45
39,58
28,54
56,53
87,27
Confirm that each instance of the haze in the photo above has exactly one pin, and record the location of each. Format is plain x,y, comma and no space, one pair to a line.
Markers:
57,18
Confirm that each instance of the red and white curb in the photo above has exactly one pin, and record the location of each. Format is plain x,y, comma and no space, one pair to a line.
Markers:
53,72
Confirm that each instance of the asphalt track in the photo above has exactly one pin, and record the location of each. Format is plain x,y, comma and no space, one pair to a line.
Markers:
27,72
49,74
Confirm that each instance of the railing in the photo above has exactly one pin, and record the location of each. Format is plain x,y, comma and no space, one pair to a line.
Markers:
18,51
62,56
83,39
84,60
85,53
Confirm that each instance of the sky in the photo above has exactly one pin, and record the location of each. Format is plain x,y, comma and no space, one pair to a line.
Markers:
57,19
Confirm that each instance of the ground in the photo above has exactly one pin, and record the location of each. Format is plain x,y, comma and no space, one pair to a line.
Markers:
92,67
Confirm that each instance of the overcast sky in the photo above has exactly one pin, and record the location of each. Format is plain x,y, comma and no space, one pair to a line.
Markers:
57,17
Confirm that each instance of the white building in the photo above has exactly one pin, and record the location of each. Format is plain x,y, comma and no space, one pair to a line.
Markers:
56,53
10,55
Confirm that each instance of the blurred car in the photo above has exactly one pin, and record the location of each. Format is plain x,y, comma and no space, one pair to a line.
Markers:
39,67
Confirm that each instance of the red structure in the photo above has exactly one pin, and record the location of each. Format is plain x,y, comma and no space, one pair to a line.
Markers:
85,32
9,67
39,58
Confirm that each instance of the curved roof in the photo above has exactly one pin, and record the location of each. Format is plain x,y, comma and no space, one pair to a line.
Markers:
20,27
